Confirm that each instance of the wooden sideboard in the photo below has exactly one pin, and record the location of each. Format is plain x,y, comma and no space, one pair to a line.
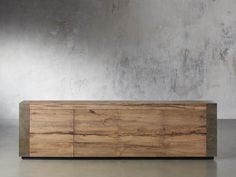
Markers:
117,129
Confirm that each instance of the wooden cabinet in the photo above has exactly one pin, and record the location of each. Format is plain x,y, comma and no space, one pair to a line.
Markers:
117,129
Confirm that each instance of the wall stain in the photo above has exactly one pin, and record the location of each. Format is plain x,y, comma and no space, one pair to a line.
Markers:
226,31
188,78
186,56
125,63
223,54
174,81
234,65
117,5
135,75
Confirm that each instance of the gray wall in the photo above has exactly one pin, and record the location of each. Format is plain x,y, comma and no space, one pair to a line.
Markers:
118,49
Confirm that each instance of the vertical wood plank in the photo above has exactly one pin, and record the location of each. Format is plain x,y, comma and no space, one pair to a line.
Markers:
24,121
211,115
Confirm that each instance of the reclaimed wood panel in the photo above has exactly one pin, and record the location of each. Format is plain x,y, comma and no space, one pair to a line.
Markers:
140,133
115,104
51,133
51,145
118,129
95,133
162,133
51,121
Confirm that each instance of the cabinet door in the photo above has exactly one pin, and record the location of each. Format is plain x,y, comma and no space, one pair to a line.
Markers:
162,133
96,133
51,133
140,133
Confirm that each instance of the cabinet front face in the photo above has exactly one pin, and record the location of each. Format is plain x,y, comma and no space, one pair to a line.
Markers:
51,133
140,133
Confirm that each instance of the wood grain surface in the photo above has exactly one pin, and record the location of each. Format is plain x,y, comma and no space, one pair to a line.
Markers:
140,133
114,104
51,133
118,129
96,133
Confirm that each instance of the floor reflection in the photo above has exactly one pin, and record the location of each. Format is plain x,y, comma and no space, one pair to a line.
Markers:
119,168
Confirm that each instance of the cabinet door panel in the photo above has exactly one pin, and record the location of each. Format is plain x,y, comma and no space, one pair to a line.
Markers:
51,133
161,132
51,145
140,133
95,133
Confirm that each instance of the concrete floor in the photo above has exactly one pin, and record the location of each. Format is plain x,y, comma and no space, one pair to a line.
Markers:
13,166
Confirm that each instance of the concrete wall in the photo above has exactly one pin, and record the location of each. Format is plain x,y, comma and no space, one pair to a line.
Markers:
118,49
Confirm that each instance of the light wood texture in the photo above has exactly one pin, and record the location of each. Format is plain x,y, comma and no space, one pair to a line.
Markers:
51,121
169,132
96,133
51,145
114,104
140,133
51,133
118,129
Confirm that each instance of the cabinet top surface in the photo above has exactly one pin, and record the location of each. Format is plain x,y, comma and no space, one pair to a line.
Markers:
115,104
119,102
